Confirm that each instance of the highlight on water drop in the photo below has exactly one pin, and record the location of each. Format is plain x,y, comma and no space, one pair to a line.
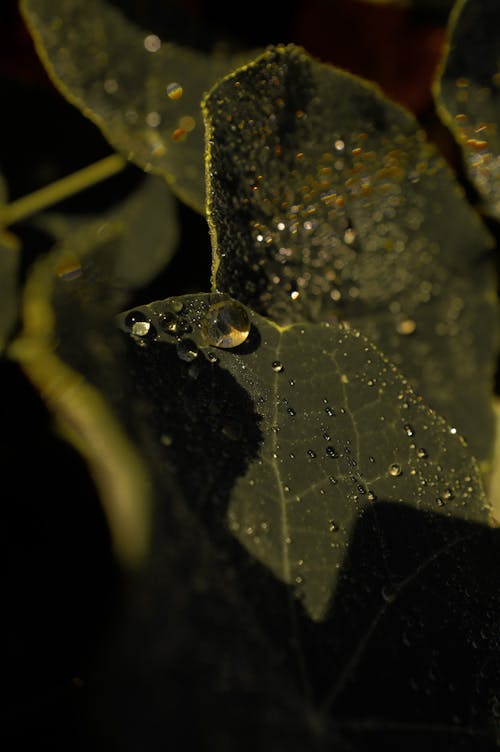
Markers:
226,324
174,90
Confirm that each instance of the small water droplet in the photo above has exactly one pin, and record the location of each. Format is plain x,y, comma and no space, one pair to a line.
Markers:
226,324
409,430
448,494
134,317
329,412
332,526
174,90
311,453
389,592
187,350
331,452
422,453
277,366
212,358
152,43
168,322
166,440
291,412
395,470
371,496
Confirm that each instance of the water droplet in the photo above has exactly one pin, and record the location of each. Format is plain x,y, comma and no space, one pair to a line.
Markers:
311,454
339,144
395,469
329,412
409,430
332,526
331,452
453,430
278,367
141,328
226,324
371,496
152,43
133,317
422,453
407,326
212,358
187,350
439,502
389,592
166,440
168,322
291,412
174,90
448,494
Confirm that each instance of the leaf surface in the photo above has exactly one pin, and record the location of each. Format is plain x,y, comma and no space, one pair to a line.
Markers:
9,267
123,78
330,429
326,203
468,94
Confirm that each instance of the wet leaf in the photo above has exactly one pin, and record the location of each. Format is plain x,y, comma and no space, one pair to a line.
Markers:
122,249
468,94
326,203
325,428
142,92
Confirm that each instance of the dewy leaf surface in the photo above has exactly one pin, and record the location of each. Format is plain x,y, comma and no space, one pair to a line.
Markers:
326,202
333,429
120,76
468,93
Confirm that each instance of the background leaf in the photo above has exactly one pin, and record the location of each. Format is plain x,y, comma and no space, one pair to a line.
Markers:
119,76
468,94
9,269
331,427
326,203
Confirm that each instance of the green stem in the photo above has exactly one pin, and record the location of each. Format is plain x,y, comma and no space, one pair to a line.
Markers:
61,189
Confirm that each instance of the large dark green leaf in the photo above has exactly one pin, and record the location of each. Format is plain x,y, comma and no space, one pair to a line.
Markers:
143,92
468,93
326,203
324,427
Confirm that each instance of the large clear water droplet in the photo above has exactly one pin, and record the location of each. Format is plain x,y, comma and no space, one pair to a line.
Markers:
226,324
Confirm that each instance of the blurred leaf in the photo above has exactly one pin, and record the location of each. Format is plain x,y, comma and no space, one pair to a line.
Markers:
9,268
494,481
468,94
124,248
144,93
326,203
68,345
333,427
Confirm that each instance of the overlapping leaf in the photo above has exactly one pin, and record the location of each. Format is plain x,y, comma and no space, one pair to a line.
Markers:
143,92
468,93
326,203
324,427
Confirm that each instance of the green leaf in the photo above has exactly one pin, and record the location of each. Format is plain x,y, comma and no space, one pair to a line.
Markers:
122,249
68,346
9,269
122,78
468,94
326,203
323,428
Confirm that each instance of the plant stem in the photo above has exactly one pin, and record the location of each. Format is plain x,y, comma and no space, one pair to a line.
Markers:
61,189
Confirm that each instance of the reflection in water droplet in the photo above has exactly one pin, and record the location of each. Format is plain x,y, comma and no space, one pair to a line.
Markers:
141,328
395,469
187,350
277,366
168,322
226,324
174,90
